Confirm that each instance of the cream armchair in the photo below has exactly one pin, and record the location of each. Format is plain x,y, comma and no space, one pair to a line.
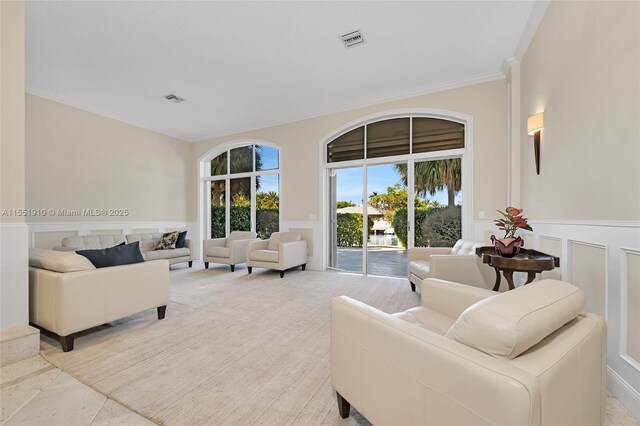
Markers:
458,264
284,250
522,357
230,251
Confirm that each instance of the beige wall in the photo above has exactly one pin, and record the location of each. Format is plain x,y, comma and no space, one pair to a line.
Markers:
12,151
582,70
80,160
300,142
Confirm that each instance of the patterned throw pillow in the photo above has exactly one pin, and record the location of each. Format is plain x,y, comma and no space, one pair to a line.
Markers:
168,241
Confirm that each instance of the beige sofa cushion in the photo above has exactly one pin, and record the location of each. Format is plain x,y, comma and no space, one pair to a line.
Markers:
85,242
264,256
419,268
148,242
465,248
509,323
59,261
165,254
224,252
282,237
239,235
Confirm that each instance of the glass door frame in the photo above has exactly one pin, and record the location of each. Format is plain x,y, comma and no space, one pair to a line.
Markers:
466,155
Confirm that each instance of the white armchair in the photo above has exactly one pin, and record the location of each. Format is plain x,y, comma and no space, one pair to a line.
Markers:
458,264
229,251
523,357
284,250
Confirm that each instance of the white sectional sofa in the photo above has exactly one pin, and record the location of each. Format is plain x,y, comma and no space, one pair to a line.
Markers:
67,294
148,243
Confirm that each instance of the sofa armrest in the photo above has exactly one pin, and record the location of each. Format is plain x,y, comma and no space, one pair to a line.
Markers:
423,253
64,248
451,298
394,372
187,244
292,254
465,269
255,245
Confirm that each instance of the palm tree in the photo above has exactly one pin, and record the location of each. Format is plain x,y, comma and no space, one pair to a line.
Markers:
433,176
267,200
241,161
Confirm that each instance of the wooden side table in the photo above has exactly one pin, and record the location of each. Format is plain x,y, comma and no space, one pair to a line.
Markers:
530,261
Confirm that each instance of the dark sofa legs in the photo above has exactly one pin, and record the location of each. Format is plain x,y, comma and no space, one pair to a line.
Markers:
206,265
304,266
413,286
343,406
161,311
249,268
233,268
281,274
66,342
190,263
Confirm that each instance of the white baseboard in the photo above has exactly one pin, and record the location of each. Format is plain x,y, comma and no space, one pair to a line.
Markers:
626,394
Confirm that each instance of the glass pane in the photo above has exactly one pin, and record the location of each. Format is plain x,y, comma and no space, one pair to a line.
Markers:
219,165
267,205
349,146
387,207
438,203
266,158
242,159
389,137
218,210
240,211
432,134
348,222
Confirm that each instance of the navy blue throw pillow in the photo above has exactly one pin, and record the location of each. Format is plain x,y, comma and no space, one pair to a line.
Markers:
122,254
180,241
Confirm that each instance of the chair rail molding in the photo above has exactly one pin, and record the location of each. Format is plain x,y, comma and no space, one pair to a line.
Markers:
617,239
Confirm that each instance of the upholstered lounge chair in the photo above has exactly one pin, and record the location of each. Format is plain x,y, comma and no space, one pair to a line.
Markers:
458,264
523,357
230,251
284,250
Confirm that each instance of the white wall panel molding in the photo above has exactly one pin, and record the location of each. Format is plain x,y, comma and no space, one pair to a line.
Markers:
39,229
630,307
618,239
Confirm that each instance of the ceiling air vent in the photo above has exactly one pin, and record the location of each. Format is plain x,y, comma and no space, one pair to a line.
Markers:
353,38
173,98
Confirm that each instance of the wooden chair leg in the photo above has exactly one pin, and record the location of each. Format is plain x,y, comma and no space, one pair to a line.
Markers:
162,310
233,268
304,266
206,265
343,406
66,342
249,269
413,286
281,274
190,263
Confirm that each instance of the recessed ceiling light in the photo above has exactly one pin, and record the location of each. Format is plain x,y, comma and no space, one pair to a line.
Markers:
353,38
173,98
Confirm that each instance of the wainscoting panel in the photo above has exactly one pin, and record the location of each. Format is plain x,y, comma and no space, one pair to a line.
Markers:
552,246
49,239
588,271
631,301
602,258
311,232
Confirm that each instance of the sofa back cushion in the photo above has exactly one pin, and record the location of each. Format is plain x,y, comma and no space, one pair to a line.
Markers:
507,324
59,261
239,235
465,248
148,242
124,254
93,241
282,237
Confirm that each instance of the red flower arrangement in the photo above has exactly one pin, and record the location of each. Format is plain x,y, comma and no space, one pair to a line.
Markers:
511,222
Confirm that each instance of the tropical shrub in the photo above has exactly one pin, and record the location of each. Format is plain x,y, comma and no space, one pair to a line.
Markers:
267,222
350,229
443,227
400,225
240,220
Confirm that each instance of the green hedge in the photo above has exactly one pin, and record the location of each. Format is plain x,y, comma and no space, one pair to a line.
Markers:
267,221
400,225
350,229
444,227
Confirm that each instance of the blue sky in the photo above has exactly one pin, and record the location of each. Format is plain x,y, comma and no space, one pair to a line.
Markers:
349,186
269,158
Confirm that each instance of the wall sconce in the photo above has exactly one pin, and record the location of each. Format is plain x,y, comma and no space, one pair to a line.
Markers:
535,123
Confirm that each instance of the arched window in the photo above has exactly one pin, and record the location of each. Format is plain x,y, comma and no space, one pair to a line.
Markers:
243,190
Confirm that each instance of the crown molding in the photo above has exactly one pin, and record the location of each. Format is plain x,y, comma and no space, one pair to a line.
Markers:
507,64
79,105
347,107
535,17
